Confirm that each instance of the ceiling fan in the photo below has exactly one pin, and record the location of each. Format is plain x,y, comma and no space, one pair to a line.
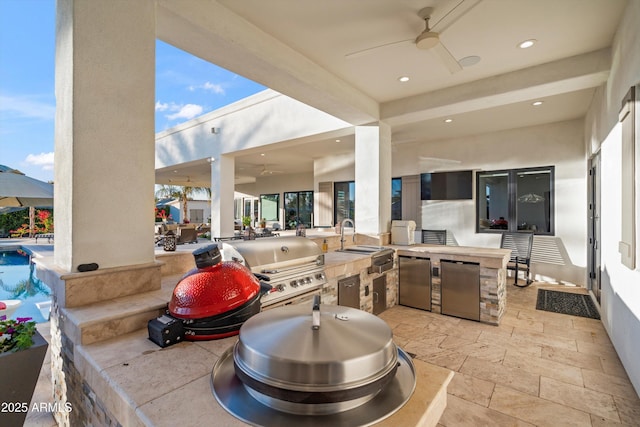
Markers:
188,180
267,171
429,38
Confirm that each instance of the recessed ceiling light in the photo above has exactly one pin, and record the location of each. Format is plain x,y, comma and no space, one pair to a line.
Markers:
403,79
448,120
337,140
527,43
537,103
469,61
262,154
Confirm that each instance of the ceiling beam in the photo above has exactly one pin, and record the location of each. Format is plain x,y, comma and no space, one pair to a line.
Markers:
216,34
563,76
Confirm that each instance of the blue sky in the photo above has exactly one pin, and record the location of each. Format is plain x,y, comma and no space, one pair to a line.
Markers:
186,86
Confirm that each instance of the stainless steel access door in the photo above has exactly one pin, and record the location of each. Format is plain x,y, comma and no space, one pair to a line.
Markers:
415,282
460,288
349,292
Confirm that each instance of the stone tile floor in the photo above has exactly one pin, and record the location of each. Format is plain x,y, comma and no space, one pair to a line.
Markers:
536,369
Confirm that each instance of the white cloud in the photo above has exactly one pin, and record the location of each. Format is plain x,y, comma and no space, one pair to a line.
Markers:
216,88
179,111
45,160
23,106
161,107
188,111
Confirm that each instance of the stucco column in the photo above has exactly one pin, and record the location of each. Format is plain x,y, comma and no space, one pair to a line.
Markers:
373,178
104,136
222,188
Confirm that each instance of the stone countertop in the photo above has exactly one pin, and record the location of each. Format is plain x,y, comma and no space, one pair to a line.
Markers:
457,253
453,250
338,264
487,257
332,258
144,385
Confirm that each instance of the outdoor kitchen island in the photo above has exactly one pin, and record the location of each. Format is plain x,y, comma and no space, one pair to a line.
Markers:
490,264
123,378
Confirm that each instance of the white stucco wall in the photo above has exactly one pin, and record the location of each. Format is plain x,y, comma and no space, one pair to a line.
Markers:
272,118
556,144
620,304
334,169
104,144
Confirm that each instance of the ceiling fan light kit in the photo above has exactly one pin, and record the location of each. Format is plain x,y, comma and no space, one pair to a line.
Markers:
427,40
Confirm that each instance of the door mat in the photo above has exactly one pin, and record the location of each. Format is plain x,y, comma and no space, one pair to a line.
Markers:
567,303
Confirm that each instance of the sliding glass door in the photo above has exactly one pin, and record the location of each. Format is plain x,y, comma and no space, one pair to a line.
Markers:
298,207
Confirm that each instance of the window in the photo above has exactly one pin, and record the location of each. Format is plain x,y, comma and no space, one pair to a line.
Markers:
344,196
396,198
299,208
270,204
196,215
247,208
515,200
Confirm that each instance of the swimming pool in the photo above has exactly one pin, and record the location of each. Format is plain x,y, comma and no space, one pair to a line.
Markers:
19,282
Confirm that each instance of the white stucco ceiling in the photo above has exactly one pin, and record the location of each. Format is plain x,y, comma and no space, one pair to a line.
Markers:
305,49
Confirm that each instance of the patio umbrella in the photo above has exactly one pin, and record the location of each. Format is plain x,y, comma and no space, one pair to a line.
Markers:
17,189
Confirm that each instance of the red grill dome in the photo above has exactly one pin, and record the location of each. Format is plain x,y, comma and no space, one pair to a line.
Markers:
213,290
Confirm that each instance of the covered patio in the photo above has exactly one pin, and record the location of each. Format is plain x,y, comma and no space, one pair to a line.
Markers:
106,152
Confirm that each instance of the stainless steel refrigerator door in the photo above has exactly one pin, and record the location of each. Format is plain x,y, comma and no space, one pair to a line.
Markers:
415,282
460,288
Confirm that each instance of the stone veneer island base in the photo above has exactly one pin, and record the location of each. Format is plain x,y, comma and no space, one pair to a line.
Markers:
493,274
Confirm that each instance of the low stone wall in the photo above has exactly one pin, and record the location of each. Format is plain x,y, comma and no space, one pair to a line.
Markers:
70,390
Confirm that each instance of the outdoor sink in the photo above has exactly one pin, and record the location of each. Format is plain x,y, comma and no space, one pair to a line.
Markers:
362,249
381,256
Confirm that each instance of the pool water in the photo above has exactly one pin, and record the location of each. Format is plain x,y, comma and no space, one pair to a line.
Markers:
18,281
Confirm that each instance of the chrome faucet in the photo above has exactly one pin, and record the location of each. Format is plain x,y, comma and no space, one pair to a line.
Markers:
342,231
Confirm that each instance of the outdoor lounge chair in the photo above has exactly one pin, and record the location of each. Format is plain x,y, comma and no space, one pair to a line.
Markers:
201,229
520,245
48,236
187,235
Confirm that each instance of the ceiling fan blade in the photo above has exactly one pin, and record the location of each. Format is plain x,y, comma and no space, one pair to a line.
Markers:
438,160
454,15
447,58
369,50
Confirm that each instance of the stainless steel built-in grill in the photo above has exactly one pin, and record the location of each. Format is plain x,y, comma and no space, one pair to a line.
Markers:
294,266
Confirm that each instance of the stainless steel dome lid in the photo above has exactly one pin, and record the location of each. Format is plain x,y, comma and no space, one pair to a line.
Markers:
282,348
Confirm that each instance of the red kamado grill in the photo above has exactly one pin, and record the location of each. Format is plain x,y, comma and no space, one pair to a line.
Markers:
213,300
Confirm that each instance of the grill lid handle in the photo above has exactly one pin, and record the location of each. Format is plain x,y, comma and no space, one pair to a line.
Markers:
316,313
207,256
